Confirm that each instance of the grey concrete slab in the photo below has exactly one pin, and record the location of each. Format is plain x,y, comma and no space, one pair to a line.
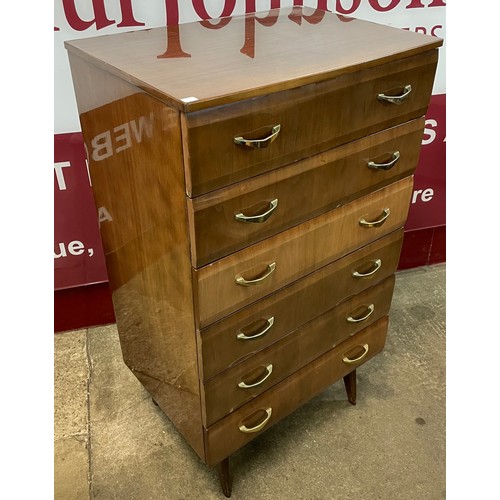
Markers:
71,456
71,468
390,445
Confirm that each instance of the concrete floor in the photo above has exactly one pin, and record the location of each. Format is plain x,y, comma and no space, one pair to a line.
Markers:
111,442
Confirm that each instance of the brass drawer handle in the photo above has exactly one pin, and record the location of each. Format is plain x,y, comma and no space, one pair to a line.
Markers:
386,166
377,265
396,99
269,370
258,218
270,323
376,223
242,281
345,359
259,143
259,427
370,310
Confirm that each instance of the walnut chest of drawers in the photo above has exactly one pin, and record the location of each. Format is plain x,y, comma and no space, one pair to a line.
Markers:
257,172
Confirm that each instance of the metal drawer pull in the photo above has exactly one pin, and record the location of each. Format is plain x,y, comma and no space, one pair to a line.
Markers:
396,99
377,265
386,166
270,323
269,370
259,143
242,281
376,223
258,218
345,359
259,427
371,308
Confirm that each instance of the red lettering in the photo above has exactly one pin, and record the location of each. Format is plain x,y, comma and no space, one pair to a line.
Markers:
199,7
269,20
345,19
421,29
296,15
77,23
128,15
172,12
340,8
219,24
417,4
376,5
433,30
174,48
250,8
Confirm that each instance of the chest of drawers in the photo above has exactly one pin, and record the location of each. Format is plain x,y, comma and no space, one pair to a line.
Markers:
257,173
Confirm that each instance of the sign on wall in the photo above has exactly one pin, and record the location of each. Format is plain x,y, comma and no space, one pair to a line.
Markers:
78,255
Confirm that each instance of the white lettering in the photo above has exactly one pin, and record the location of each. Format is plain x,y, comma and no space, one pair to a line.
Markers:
415,195
62,251
123,137
430,132
76,247
144,125
104,215
102,142
425,195
58,167
87,162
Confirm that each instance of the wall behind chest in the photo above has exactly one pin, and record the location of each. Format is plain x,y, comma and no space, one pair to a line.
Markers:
78,256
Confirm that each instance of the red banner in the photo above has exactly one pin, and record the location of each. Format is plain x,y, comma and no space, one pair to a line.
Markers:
78,254
428,204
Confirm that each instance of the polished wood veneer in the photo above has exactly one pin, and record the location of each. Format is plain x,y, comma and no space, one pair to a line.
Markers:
224,437
244,58
298,251
256,173
296,304
223,394
303,189
215,161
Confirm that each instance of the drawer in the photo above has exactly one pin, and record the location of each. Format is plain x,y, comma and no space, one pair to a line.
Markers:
243,382
250,274
228,434
230,219
297,123
259,325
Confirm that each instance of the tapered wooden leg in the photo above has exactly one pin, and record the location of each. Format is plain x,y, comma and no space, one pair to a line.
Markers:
350,387
225,479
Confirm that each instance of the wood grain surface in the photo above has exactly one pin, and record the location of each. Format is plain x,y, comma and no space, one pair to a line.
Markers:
222,393
130,137
225,437
313,118
297,251
242,57
295,305
303,189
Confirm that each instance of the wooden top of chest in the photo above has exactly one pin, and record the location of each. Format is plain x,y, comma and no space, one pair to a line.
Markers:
209,63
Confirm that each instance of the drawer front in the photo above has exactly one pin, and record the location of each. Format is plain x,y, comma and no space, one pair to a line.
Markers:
311,119
228,434
250,274
243,382
230,219
259,325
